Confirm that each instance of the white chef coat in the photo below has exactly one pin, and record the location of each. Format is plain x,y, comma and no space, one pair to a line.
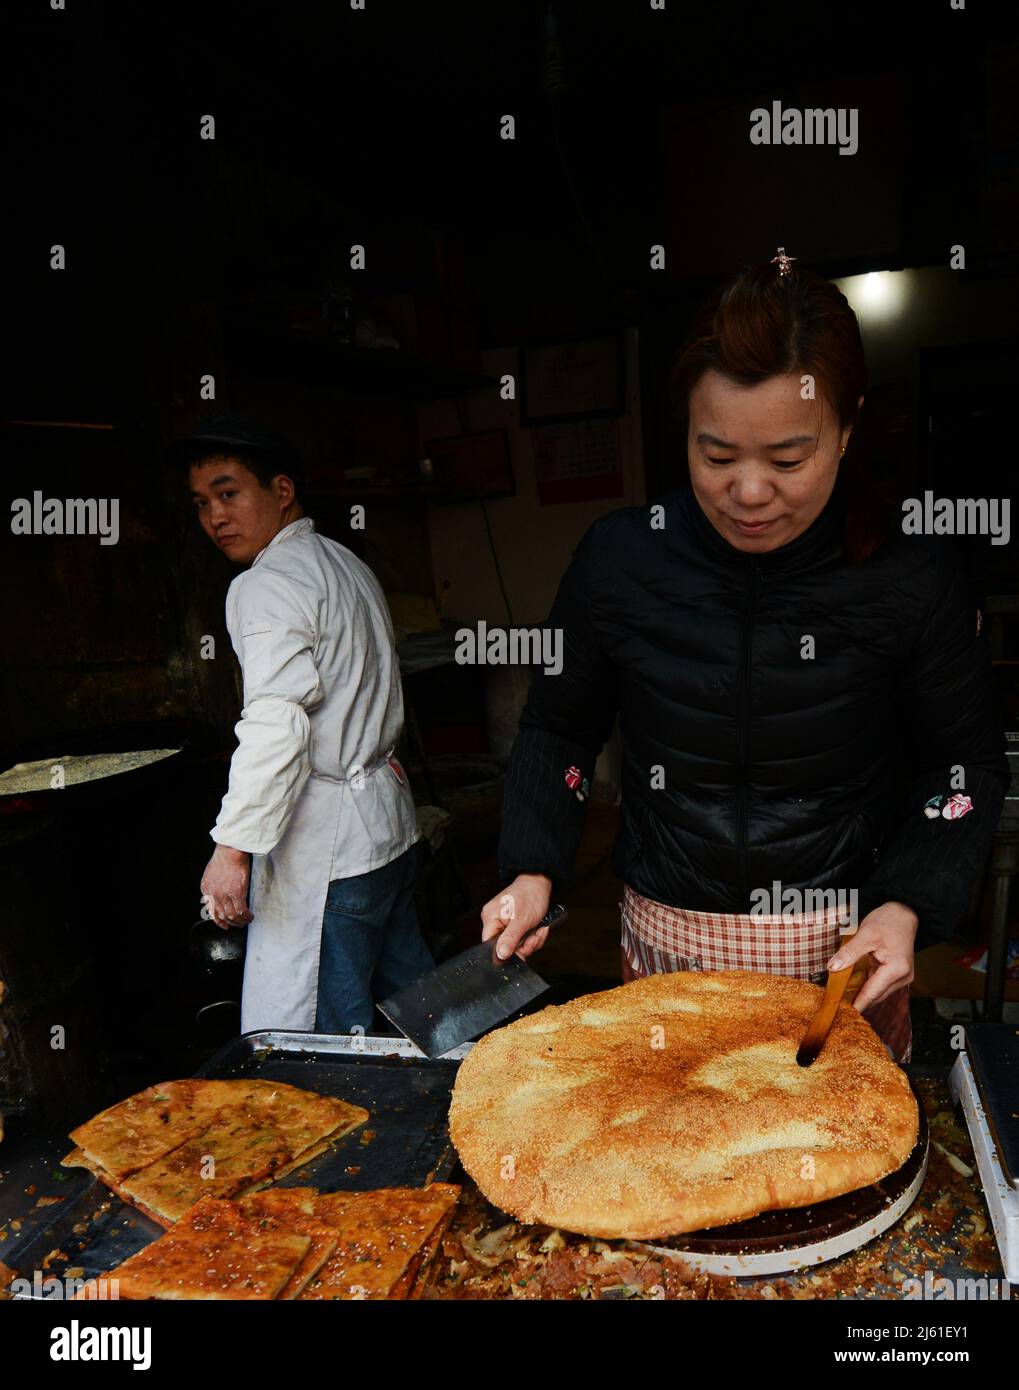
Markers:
314,791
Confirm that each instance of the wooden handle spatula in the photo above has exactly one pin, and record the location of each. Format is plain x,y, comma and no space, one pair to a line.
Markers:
837,988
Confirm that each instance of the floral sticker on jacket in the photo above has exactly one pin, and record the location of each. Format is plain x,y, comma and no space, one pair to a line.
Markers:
576,782
956,806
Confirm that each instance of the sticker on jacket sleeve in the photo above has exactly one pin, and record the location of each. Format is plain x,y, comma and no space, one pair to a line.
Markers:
956,806
933,807
576,782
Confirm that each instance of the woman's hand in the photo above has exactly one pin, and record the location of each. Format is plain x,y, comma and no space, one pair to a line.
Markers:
888,933
512,913
225,887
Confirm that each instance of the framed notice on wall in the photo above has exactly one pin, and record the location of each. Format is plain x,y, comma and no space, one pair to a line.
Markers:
565,381
579,461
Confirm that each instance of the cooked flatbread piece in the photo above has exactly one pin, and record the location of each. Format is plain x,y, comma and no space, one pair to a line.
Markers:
144,1127
290,1207
216,1251
383,1239
76,1159
675,1103
414,1281
244,1146
308,1120
217,1162
281,1201
171,1144
283,1243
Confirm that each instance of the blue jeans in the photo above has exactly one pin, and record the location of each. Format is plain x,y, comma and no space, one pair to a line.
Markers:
371,943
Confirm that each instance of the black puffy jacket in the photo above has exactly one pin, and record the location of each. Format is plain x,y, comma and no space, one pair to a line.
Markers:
748,755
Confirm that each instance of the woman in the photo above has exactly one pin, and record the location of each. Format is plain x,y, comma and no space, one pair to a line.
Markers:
780,671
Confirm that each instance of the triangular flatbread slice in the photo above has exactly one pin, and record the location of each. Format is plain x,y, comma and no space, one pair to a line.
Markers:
381,1240
216,1251
300,1160
76,1159
281,1201
291,1208
308,1119
428,1253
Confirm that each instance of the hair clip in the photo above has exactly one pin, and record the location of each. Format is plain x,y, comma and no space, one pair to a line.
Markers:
782,261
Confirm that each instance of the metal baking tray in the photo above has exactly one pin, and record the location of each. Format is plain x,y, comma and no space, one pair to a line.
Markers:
406,1093
993,1050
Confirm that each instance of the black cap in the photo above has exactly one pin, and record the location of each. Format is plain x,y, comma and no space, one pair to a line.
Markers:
238,430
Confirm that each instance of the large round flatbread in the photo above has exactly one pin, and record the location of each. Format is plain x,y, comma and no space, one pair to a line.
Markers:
675,1103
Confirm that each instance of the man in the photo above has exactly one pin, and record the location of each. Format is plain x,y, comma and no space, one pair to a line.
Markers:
318,813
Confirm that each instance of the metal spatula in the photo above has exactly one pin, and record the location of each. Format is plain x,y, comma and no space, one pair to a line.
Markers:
467,995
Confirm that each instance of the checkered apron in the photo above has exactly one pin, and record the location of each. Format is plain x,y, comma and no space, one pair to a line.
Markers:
657,939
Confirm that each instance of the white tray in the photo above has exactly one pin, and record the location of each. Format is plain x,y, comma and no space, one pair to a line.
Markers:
1001,1197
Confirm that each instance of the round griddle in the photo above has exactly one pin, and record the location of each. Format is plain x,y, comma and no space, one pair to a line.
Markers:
784,1242
28,779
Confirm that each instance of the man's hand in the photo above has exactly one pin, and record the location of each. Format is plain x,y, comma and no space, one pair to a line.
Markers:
225,887
888,933
511,914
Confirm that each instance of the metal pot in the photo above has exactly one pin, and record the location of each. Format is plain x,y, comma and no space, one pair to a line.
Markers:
212,948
